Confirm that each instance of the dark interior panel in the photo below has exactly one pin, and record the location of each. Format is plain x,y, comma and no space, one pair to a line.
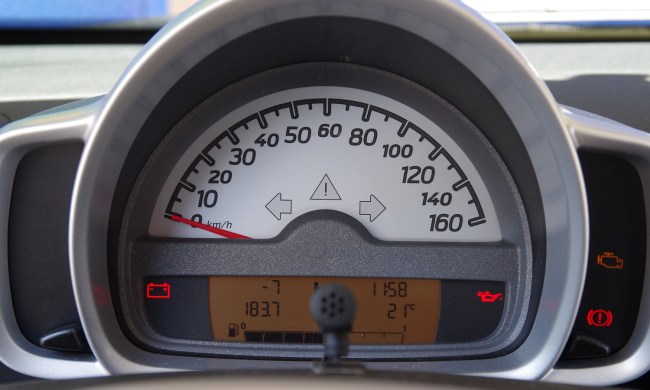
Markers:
38,241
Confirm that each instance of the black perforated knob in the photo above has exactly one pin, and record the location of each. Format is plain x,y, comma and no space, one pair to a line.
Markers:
333,307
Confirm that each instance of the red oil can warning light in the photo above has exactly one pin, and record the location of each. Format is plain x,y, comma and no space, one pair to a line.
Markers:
158,290
489,297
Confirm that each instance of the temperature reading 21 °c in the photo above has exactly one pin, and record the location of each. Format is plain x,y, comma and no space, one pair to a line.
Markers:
274,159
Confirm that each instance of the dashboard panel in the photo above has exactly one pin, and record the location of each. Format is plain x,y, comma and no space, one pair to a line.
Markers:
388,147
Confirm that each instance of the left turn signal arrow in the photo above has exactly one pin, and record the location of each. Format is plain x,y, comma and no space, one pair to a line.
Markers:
278,206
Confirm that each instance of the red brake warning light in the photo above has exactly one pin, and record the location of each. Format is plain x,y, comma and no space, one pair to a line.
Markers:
600,318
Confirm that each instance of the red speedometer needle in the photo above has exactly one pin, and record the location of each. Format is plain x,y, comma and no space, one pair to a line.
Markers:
208,228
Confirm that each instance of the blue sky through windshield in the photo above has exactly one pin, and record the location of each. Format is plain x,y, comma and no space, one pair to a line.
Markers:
83,13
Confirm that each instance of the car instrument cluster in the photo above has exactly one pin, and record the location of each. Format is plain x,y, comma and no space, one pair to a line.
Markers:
255,152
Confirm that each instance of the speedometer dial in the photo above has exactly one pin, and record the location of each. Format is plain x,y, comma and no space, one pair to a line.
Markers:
314,173
369,156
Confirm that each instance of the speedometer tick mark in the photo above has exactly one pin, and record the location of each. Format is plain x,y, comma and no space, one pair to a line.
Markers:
434,154
402,129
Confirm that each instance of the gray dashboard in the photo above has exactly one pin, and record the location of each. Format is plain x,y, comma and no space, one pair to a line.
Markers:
607,79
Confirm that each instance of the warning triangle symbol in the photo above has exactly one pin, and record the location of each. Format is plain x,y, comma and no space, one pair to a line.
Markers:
325,190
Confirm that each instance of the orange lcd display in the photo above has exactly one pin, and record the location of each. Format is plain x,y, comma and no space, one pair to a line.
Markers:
276,309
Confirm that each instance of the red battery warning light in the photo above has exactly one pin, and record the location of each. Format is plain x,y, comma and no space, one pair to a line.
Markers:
158,290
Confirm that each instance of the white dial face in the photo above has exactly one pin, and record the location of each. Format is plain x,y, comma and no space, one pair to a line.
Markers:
373,158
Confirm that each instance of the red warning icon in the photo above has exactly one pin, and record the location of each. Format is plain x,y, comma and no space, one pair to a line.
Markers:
159,290
599,318
489,297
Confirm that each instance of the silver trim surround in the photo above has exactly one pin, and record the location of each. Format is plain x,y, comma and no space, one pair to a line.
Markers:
16,140
479,45
593,132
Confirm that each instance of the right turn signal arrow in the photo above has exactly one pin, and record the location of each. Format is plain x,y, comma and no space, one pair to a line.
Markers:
372,208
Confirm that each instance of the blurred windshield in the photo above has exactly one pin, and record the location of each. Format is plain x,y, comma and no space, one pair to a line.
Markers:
562,11
519,18
568,19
